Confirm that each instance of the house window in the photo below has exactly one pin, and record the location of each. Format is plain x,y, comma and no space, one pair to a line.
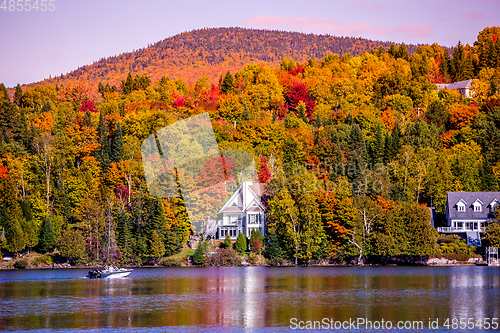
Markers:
234,219
252,218
461,208
477,208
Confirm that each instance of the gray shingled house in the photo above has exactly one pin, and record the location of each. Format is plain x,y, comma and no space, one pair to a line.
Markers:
469,212
463,87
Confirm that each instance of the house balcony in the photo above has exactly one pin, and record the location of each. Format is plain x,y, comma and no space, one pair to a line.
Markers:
452,230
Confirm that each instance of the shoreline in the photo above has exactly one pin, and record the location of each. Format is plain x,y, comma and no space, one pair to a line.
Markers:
62,266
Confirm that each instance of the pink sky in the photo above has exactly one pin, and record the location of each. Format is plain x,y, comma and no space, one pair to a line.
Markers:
35,45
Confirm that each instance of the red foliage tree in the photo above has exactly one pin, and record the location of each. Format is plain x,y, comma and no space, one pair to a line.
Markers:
88,105
264,173
298,92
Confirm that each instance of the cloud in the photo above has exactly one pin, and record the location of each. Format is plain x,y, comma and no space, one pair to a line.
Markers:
475,15
415,31
310,24
57,53
335,27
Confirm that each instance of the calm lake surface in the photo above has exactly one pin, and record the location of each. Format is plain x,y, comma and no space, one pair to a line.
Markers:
255,299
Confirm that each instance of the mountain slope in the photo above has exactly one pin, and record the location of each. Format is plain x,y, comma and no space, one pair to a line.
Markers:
210,52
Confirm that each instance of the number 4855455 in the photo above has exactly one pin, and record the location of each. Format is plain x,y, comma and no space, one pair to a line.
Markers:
28,5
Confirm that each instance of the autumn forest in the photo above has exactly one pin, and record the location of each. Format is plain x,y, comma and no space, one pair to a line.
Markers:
351,137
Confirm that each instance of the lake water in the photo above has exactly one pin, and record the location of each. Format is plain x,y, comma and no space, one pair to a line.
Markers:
255,299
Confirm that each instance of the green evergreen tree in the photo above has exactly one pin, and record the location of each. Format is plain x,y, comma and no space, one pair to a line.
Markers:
124,237
241,243
71,245
101,89
172,242
388,148
117,145
227,84
199,254
46,107
18,95
393,50
128,84
357,158
4,94
227,242
444,67
488,179
273,247
396,139
10,126
403,52
378,146
156,246
102,153
47,236
14,236
87,119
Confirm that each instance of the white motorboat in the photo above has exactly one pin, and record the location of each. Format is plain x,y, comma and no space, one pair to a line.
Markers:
109,272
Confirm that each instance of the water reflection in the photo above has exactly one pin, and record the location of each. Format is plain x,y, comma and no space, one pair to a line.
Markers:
263,298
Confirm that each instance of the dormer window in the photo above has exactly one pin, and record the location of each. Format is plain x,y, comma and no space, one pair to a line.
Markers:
461,206
478,206
493,205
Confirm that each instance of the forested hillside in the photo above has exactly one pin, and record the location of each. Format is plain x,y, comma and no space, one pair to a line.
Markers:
353,150
209,52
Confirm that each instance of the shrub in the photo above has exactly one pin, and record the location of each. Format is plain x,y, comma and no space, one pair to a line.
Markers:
227,242
224,257
21,264
241,243
171,262
255,259
199,254
42,260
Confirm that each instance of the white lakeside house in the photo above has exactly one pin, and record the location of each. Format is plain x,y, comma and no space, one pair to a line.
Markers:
243,212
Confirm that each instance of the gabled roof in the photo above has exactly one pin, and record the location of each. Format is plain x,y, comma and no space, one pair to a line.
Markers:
456,197
455,85
460,84
493,202
254,193
479,201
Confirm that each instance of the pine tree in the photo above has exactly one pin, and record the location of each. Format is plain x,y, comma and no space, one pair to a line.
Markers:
101,89
403,52
14,236
273,247
443,66
156,246
241,243
227,242
227,84
87,119
378,146
199,254
47,236
396,138
102,153
388,148
172,242
117,145
128,84
18,95
4,94
124,237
